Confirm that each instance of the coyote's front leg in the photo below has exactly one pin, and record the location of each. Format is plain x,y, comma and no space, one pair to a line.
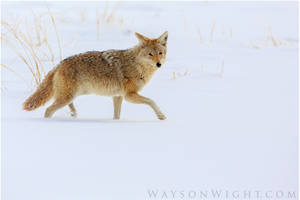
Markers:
117,106
138,99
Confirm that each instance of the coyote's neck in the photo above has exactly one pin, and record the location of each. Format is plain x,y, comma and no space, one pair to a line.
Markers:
147,69
134,51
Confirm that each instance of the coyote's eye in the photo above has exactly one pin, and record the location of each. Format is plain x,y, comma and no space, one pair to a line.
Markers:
150,54
160,53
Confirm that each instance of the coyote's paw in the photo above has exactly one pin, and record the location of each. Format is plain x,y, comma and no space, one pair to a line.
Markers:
73,114
161,116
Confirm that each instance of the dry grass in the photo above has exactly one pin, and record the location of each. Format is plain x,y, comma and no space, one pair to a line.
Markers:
82,16
272,38
180,75
29,57
108,17
200,35
224,33
212,30
30,44
270,41
185,22
98,21
56,33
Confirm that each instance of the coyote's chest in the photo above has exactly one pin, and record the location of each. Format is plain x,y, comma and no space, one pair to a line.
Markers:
147,71
138,78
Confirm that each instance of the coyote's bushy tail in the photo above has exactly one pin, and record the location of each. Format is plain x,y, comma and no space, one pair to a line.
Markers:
43,93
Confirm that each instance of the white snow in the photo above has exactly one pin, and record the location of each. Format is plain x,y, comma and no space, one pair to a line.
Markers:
230,126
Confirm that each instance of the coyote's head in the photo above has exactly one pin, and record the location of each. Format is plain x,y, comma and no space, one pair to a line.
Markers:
153,51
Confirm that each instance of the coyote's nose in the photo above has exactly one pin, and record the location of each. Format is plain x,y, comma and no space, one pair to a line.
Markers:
158,64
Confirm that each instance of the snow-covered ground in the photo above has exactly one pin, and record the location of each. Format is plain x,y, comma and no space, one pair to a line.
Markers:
228,89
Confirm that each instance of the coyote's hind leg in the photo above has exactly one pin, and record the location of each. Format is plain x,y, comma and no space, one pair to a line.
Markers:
58,103
73,110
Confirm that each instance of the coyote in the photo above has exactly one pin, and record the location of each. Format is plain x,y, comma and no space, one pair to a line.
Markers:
116,73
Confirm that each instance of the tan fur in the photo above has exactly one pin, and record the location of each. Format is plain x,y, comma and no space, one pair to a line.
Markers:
43,93
117,73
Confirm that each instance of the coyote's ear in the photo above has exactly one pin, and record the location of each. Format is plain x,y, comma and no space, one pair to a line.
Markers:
141,38
163,38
